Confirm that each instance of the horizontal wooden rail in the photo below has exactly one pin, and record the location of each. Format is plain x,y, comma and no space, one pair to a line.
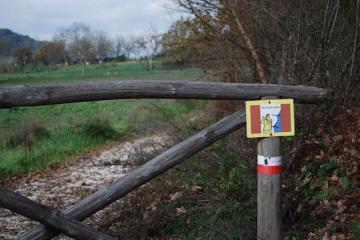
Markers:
146,172
33,95
45,215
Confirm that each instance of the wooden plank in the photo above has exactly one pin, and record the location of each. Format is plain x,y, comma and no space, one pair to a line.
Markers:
46,94
51,218
146,172
269,192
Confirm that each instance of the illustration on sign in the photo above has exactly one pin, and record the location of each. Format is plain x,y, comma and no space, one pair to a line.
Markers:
270,118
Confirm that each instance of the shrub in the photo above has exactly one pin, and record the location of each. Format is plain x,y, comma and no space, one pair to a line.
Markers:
99,128
27,134
234,179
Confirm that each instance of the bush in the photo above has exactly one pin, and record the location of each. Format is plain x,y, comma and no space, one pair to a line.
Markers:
234,178
27,134
99,128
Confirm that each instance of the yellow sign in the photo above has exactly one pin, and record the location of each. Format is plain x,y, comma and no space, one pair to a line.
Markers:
270,118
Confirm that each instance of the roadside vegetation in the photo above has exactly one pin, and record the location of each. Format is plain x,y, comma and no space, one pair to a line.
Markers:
33,138
213,194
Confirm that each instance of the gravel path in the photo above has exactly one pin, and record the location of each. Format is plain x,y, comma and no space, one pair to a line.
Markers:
62,186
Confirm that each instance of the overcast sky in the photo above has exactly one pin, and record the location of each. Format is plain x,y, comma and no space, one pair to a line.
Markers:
40,19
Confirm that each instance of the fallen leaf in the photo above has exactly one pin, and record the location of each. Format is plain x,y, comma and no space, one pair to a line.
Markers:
175,196
181,211
196,189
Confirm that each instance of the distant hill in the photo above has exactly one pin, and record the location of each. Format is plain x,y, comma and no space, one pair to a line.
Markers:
10,40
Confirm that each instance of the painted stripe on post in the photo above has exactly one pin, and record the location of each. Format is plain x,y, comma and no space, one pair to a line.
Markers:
269,170
269,165
255,119
285,118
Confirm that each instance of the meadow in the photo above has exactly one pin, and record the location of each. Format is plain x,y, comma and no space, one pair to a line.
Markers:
111,71
33,138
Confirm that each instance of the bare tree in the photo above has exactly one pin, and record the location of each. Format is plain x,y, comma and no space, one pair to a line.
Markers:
79,42
119,43
103,45
130,47
295,42
22,56
151,45
52,52
125,46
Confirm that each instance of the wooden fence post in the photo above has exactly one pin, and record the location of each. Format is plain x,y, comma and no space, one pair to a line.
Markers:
269,189
49,217
145,173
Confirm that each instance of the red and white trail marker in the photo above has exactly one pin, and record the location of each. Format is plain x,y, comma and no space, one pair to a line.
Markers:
269,165
270,118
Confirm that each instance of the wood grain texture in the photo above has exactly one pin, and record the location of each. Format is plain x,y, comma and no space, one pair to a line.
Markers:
146,172
46,94
51,218
269,192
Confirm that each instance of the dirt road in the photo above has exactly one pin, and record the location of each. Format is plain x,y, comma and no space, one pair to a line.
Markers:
62,186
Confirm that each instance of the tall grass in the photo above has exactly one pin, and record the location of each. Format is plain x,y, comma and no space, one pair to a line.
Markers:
33,138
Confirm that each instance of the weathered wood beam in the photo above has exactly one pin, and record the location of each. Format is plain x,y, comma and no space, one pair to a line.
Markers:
269,191
46,94
45,215
269,194
146,172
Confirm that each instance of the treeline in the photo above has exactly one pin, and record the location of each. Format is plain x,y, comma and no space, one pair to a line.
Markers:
80,44
290,42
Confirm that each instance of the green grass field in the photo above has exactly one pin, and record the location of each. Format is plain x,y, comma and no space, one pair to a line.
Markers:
33,138
110,71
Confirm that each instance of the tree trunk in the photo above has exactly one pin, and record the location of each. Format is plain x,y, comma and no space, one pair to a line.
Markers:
150,63
251,48
83,68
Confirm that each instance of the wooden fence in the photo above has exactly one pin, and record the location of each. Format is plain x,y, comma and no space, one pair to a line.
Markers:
69,220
